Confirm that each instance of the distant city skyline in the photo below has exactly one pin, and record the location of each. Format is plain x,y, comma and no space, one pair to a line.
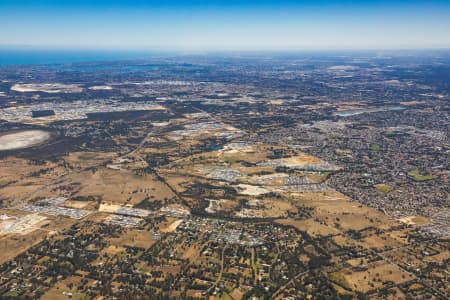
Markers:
201,25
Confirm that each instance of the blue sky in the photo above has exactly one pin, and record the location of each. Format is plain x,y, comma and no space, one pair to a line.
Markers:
202,25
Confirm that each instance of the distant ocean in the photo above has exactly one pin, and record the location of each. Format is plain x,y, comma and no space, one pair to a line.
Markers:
24,56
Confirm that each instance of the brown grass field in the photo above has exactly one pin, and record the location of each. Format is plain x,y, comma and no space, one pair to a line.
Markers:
373,278
379,242
57,291
113,186
334,208
80,160
311,226
134,238
13,245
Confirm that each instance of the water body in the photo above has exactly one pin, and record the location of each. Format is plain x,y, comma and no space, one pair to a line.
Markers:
28,56
353,112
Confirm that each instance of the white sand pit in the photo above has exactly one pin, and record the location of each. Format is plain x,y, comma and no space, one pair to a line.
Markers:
101,88
23,139
50,88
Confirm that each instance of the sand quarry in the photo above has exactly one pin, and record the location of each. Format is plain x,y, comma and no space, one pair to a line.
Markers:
50,88
23,139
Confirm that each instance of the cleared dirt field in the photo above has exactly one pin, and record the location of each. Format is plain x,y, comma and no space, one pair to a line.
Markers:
172,226
221,205
269,179
79,204
251,190
22,225
415,220
299,160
